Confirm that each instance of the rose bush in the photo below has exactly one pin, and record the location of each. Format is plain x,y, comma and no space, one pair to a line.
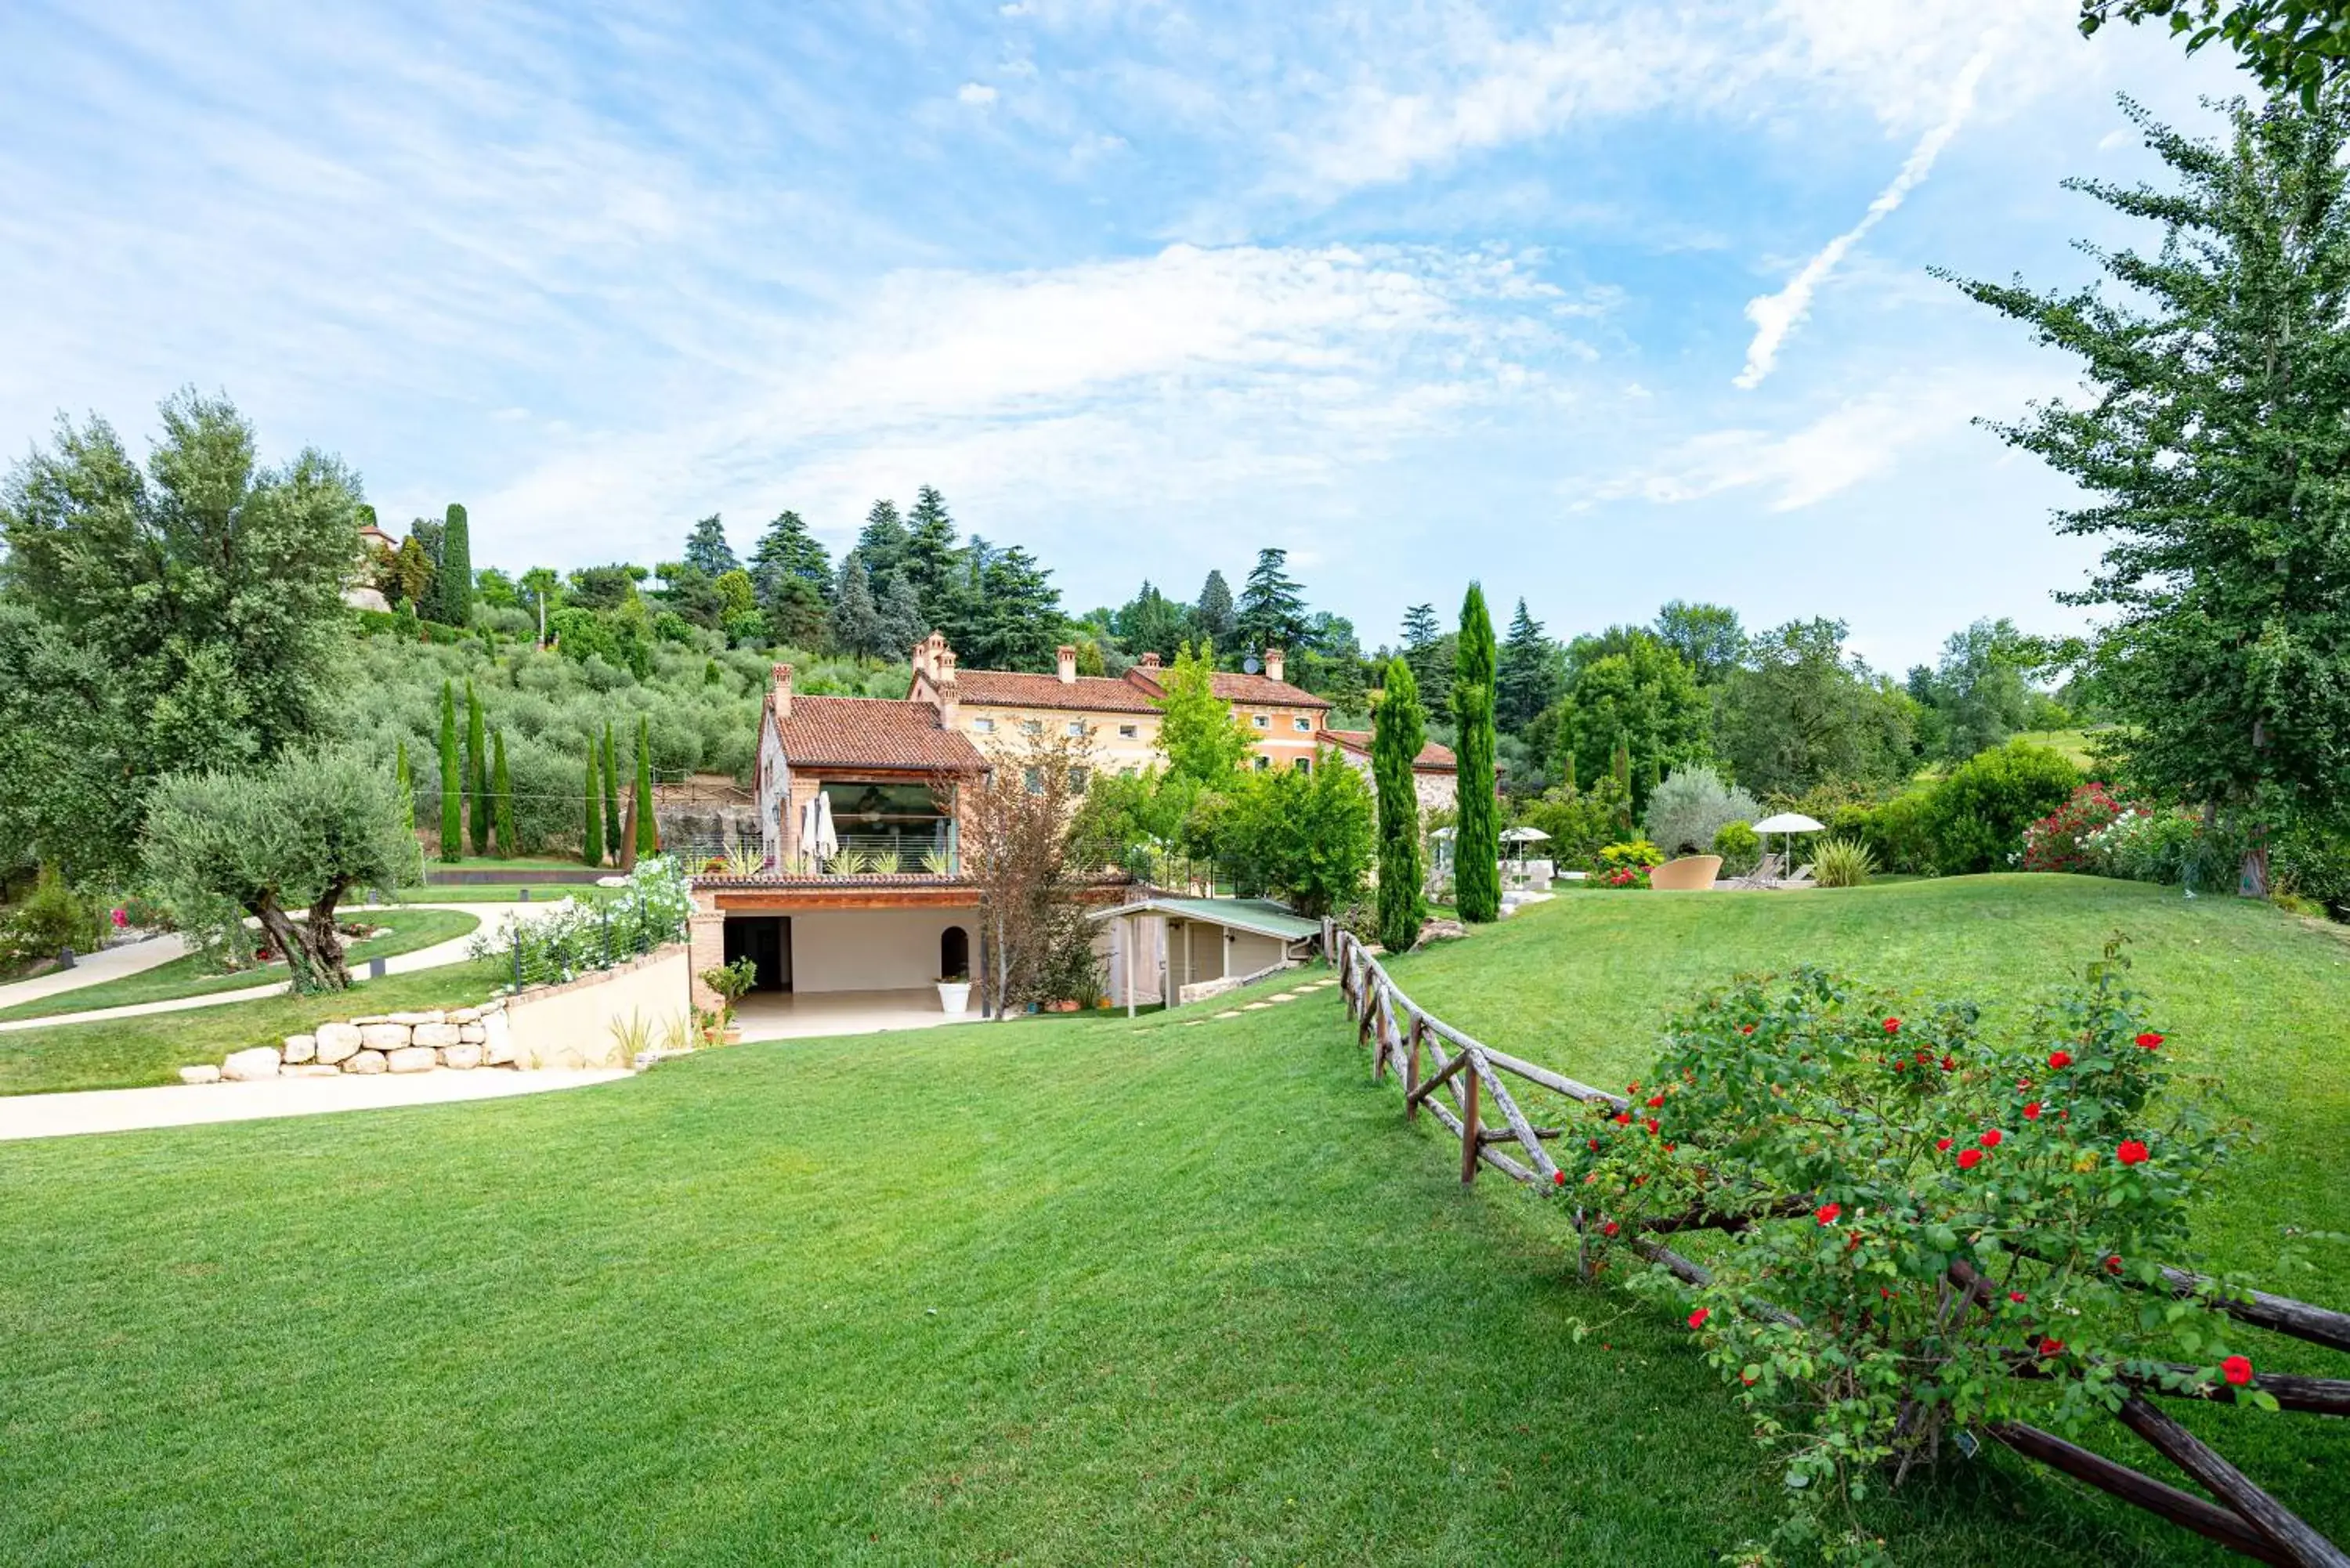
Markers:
1940,1209
2062,841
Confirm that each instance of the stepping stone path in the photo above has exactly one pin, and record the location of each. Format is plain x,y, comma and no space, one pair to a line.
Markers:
1229,1012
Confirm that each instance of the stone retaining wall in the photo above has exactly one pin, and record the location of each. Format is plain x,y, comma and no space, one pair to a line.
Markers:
460,1037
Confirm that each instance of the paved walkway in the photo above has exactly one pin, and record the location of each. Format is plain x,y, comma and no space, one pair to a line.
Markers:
96,969
451,952
802,1014
192,1104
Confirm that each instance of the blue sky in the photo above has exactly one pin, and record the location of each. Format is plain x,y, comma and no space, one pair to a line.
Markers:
1606,305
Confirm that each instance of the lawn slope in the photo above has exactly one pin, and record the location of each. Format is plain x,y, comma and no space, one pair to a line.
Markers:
1088,1291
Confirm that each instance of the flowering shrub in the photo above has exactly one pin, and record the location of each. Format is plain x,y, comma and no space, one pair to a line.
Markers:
1938,1209
1638,853
651,910
2061,840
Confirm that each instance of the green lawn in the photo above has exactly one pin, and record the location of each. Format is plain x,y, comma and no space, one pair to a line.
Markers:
131,1051
500,893
404,931
1172,1291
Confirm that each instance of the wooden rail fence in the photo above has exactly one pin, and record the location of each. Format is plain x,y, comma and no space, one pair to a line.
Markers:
1435,1062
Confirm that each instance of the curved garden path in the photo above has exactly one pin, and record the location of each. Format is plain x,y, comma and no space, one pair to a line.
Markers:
451,952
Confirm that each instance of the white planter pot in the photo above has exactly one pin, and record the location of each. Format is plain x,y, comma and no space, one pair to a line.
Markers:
954,996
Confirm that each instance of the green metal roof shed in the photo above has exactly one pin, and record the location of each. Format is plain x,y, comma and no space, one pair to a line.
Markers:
1259,918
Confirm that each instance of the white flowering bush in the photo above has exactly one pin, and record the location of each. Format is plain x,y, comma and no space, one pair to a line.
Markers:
650,910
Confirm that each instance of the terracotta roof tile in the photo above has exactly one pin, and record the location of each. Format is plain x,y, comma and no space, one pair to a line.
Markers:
873,732
1432,757
1261,690
1018,689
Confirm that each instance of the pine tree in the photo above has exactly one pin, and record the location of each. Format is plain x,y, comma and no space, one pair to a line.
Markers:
899,621
479,806
502,791
452,790
453,582
1020,619
1272,610
881,544
1398,732
706,548
788,554
856,621
1533,673
641,806
611,791
406,778
931,560
1430,652
1214,615
1619,763
591,836
1477,875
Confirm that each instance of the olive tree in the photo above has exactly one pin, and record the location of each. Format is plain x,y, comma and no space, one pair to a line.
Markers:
283,845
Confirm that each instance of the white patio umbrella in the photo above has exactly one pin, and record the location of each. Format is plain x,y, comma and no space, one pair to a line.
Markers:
1523,837
1786,824
827,842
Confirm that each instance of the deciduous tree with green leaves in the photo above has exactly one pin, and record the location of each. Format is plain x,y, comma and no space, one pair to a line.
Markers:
1197,731
1476,874
2215,450
1399,730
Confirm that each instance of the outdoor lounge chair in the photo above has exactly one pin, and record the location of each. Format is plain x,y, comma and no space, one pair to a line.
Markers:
1690,873
1766,873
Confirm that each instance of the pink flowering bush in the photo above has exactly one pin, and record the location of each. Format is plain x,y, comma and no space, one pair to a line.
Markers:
1939,1208
2063,839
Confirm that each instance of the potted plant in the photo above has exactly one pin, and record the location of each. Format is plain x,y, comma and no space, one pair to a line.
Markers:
954,994
732,982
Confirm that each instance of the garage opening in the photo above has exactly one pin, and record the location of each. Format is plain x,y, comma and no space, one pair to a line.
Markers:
766,941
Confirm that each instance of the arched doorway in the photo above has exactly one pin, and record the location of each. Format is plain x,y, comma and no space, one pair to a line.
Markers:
954,953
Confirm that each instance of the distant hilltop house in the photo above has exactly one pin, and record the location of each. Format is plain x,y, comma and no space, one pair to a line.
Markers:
859,800
361,593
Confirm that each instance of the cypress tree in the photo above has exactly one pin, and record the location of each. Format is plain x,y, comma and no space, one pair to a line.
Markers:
406,778
502,791
453,792
453,586
591,836
1398,732
1568,778
612,793
479,806
1477,875
648,831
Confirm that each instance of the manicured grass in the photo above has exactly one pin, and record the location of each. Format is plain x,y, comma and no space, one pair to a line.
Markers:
404,931
131,1052
501,893
1176,1291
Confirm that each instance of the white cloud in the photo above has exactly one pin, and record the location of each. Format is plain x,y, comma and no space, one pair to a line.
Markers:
978,93
1776,315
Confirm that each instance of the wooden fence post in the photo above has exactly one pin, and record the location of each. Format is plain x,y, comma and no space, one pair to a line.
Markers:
1411,1068
1469,1129
1380,1041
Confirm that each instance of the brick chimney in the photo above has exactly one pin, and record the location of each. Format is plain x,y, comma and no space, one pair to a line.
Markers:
942,679
1272,660
783,690
1151,663
929,652
1067,655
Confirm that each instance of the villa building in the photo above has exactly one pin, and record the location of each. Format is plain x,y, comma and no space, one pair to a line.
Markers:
861,892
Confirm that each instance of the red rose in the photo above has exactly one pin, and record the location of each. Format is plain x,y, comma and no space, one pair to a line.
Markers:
1656,1100
2052,1348
2148,1041
1697,1318
1650,1124
1969,1158
1989,1139
1899,1063
1669,1149
1943,1144
2060,1060
1746,1029
1609,1229
2015,1296
2112,1263
1624,1119
1893,1026
1594,1144
2237,1369
1827,1213
1949,1064
1558,1178
2031,1112
2131,1152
